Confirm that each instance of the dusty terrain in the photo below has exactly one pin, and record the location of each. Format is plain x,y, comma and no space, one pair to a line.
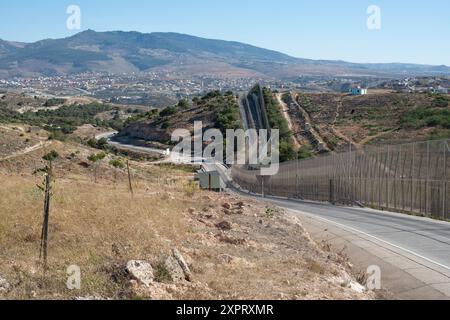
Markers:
235,248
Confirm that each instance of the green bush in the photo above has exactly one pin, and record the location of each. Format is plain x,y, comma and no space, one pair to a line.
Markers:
169,111
117,163
65,119
441,101
305,152
97,157
51,156
54,102
426,117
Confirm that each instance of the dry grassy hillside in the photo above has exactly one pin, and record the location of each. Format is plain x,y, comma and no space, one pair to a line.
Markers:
235,247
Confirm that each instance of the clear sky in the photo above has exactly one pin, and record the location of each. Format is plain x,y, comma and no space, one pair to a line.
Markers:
411,31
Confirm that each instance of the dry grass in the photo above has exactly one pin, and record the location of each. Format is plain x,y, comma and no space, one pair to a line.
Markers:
101,226
84,226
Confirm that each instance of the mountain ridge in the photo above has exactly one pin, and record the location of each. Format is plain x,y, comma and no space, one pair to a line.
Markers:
132,51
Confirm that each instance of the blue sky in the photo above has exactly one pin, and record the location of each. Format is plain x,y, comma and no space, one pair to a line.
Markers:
411,31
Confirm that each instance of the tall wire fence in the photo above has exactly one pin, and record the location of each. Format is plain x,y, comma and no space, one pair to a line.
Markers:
412,178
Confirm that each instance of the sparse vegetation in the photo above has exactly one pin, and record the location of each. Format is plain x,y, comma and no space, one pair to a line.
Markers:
54,102
63,120
117,163
277,121
426,117
305,152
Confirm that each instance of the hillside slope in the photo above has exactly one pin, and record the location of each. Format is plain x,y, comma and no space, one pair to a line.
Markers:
375,118
235,248
214,110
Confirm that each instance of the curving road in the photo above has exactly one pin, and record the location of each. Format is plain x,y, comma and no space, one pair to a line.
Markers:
413,253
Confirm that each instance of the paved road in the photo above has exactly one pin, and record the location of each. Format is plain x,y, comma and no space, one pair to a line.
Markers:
423,237
111,134
414,252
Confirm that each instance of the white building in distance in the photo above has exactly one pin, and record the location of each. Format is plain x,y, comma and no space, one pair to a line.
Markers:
358,91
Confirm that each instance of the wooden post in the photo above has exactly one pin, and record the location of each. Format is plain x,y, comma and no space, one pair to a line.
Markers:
44,234
130,186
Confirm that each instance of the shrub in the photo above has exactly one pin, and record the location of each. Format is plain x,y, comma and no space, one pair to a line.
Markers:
169,111
117,163
426,117
97,157
51,156
305,152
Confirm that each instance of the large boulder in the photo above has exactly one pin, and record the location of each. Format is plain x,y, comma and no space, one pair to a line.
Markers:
141,271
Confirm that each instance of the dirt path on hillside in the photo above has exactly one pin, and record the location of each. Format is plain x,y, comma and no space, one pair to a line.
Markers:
285,110
313,132
40,145
339,133
371,138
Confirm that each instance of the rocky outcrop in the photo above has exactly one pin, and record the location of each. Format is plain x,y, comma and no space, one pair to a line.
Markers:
5,287
174,269
182,262
141,271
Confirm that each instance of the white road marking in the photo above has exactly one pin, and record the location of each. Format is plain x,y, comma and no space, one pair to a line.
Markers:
373,237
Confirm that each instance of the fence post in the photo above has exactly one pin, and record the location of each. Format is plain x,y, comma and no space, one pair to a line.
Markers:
331,191
428,177
130,186
262,187
44,233
444,195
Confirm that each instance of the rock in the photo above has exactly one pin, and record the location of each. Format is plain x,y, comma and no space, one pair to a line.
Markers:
141,271
224,225
182,262
174,269
234,262
226,258
4,285
226,206
206,223
240,205
227,212
230,240
119,250
191,210
89,298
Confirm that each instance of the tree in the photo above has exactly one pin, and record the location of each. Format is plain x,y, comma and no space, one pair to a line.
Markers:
51,156
183,104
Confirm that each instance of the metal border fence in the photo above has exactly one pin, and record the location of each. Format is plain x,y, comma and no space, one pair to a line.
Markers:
411,178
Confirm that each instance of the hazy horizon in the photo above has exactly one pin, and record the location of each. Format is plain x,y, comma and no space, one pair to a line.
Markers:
324,30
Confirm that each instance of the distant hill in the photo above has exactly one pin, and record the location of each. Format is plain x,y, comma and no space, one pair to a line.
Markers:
126,52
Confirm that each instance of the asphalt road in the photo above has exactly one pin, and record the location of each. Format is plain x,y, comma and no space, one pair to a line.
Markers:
422,243
426,238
